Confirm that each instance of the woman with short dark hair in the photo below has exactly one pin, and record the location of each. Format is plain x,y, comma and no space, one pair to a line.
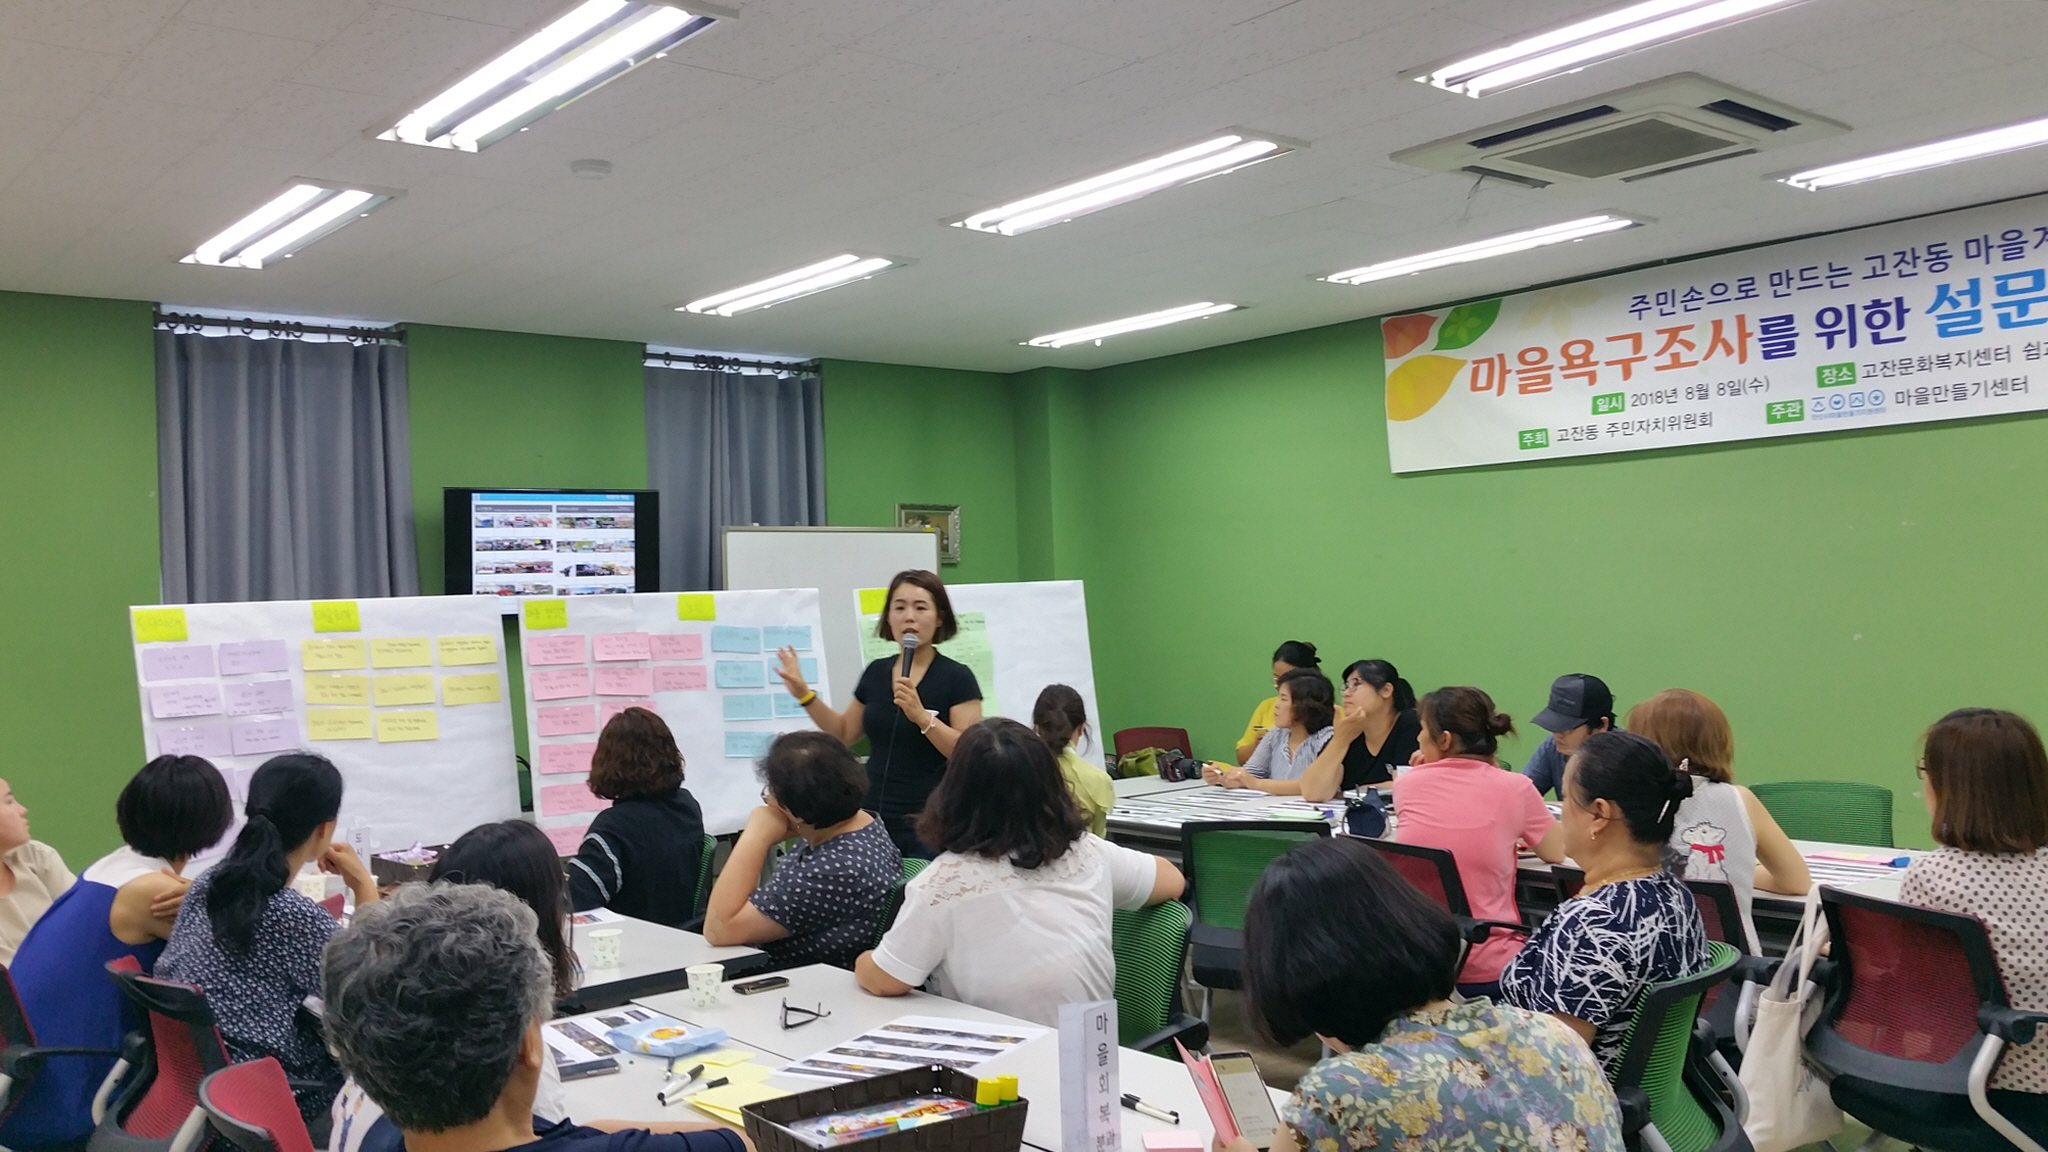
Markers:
1338,946
1014,915
641,855
911,719
1301,731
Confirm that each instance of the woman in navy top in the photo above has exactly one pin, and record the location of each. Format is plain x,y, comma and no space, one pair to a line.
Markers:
123,906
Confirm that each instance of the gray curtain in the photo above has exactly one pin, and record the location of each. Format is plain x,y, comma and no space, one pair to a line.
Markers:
285,469
730,448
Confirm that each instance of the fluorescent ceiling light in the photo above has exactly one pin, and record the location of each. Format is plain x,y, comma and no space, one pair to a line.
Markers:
1990,142
300,215
1485,249
1100,332
1589,41
1225,153
597,42
842,269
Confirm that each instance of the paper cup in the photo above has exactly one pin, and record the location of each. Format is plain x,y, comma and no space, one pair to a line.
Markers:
607,946
704,983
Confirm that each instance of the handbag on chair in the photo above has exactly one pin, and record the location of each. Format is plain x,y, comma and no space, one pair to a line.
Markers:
1789,1104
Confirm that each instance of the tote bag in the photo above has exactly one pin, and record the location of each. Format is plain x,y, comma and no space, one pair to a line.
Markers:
1788,1104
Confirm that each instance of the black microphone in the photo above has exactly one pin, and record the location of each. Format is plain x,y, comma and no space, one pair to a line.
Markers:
909,650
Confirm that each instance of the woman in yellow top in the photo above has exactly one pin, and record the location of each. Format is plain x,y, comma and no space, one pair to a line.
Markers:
1061,718
1286,658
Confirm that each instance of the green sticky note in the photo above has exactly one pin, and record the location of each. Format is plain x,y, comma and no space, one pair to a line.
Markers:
873,600
153,624
547,614
336,616
696,606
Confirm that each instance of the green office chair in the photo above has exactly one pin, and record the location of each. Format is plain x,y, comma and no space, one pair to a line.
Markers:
1223,859
1151,945
1842,811
1670,1101
703,899
912,865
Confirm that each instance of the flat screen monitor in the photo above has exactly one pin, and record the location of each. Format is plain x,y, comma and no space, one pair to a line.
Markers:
551,541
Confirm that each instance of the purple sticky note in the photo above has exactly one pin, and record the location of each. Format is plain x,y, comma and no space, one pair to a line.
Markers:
185,662
566,720
253,696
679,646
688,678
174,700
259,737
254,656
202,740
629,680
559,683
621,646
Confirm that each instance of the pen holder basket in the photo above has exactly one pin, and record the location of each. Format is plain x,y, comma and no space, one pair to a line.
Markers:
997,1129
389,873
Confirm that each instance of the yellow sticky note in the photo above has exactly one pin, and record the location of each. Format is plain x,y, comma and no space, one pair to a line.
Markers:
397,727
747,1073
723,1057
468,649
408,688
696,606
401,652
153,624
328,655
873,600
726,1100
547,614
336,616
337,723
480,688
326,689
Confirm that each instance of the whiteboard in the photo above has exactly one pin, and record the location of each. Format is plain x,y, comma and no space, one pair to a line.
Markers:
1018,638
835,561
704,661
413,689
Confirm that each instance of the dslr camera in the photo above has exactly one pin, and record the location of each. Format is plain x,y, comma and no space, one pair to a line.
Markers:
1177,765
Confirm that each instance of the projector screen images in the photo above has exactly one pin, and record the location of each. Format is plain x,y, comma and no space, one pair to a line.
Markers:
563,542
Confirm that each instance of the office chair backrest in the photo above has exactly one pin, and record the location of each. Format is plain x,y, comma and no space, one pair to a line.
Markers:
1129,740
1151,946
184,1046
1433,872
252,1106
1843,811
1224,858
1658,1048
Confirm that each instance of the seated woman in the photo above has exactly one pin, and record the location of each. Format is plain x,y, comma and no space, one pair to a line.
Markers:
124,905
641,855
1986,779
512,856
32,875
1375,735
1061,719
1301,730
1634,924
1014,915
1722,830
1289,656
1457,798
826,901
435,1002
252,942
1337,946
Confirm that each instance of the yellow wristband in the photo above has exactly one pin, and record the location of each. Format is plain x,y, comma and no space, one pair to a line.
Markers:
804,701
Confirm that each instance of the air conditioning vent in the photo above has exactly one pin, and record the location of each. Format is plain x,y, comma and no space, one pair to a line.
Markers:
1652,129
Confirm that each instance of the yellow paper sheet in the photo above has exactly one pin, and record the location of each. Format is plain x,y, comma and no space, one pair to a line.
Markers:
726,1101
457,650
154,624
722,1057
696,606
327,655
873,600
547,614
401,652
322,689
406,688
479,688
337,616
398,727
337,723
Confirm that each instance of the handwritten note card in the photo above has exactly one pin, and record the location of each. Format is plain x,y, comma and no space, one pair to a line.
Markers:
747,745
458,650
250,697
401,652
337,723
405,688
797,636
566,649
185,662
567,840
547,614
611,708
568,799
254,656
623,646
328,655
556,759
336,616
741,674
200,740
262,737
728,638
157,624
566,720
400,727
174,700
786,707
632,680
337,689
559,683
691,678
678,646
476,688
747,706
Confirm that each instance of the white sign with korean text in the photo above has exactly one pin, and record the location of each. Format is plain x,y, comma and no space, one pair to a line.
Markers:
1938,318
1089,1117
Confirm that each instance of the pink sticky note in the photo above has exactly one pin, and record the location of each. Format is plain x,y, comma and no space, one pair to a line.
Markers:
204,740
630,680
257,737
567,648
254,696
184,662
559,758
622,646
612,708
567,840
172,700
560,683
688,678
679,646
565,799
567,720
254,656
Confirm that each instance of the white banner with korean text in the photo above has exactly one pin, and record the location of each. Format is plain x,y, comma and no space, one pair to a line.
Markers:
1937,318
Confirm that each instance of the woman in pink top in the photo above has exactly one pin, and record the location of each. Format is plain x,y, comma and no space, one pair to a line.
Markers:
1457,797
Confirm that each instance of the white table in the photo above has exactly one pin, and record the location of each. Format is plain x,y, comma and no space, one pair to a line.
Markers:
1129,786
629,1093
653,958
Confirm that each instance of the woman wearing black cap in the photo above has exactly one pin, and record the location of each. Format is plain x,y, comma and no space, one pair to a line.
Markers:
1580,705
1289,656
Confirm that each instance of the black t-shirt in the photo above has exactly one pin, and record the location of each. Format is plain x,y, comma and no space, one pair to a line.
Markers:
1363,766
640,859
903,767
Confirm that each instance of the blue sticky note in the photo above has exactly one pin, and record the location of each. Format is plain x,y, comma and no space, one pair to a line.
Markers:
747,706
727,638
809,668
797,636
747,745
786,707
740,674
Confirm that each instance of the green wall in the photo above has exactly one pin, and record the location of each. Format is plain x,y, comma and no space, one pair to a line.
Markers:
78,466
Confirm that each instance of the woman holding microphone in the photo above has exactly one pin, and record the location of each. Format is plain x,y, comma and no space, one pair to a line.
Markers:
911,707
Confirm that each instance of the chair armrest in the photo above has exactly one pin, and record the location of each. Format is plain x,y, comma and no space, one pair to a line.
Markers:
2013,1025
1191,1031
15,1058
1635,1109
1753,970
1477,931
1705,1037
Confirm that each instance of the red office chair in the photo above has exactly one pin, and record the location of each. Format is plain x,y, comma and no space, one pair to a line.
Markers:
252,1107
1131,739
1915,1020
158,1110
1434,873
21,1058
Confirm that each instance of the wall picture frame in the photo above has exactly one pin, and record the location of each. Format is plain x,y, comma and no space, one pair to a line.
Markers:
943,519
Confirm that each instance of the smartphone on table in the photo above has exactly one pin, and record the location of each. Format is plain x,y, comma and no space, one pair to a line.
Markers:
764,984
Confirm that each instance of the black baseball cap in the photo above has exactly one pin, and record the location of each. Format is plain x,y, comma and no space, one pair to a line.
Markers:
1574,700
